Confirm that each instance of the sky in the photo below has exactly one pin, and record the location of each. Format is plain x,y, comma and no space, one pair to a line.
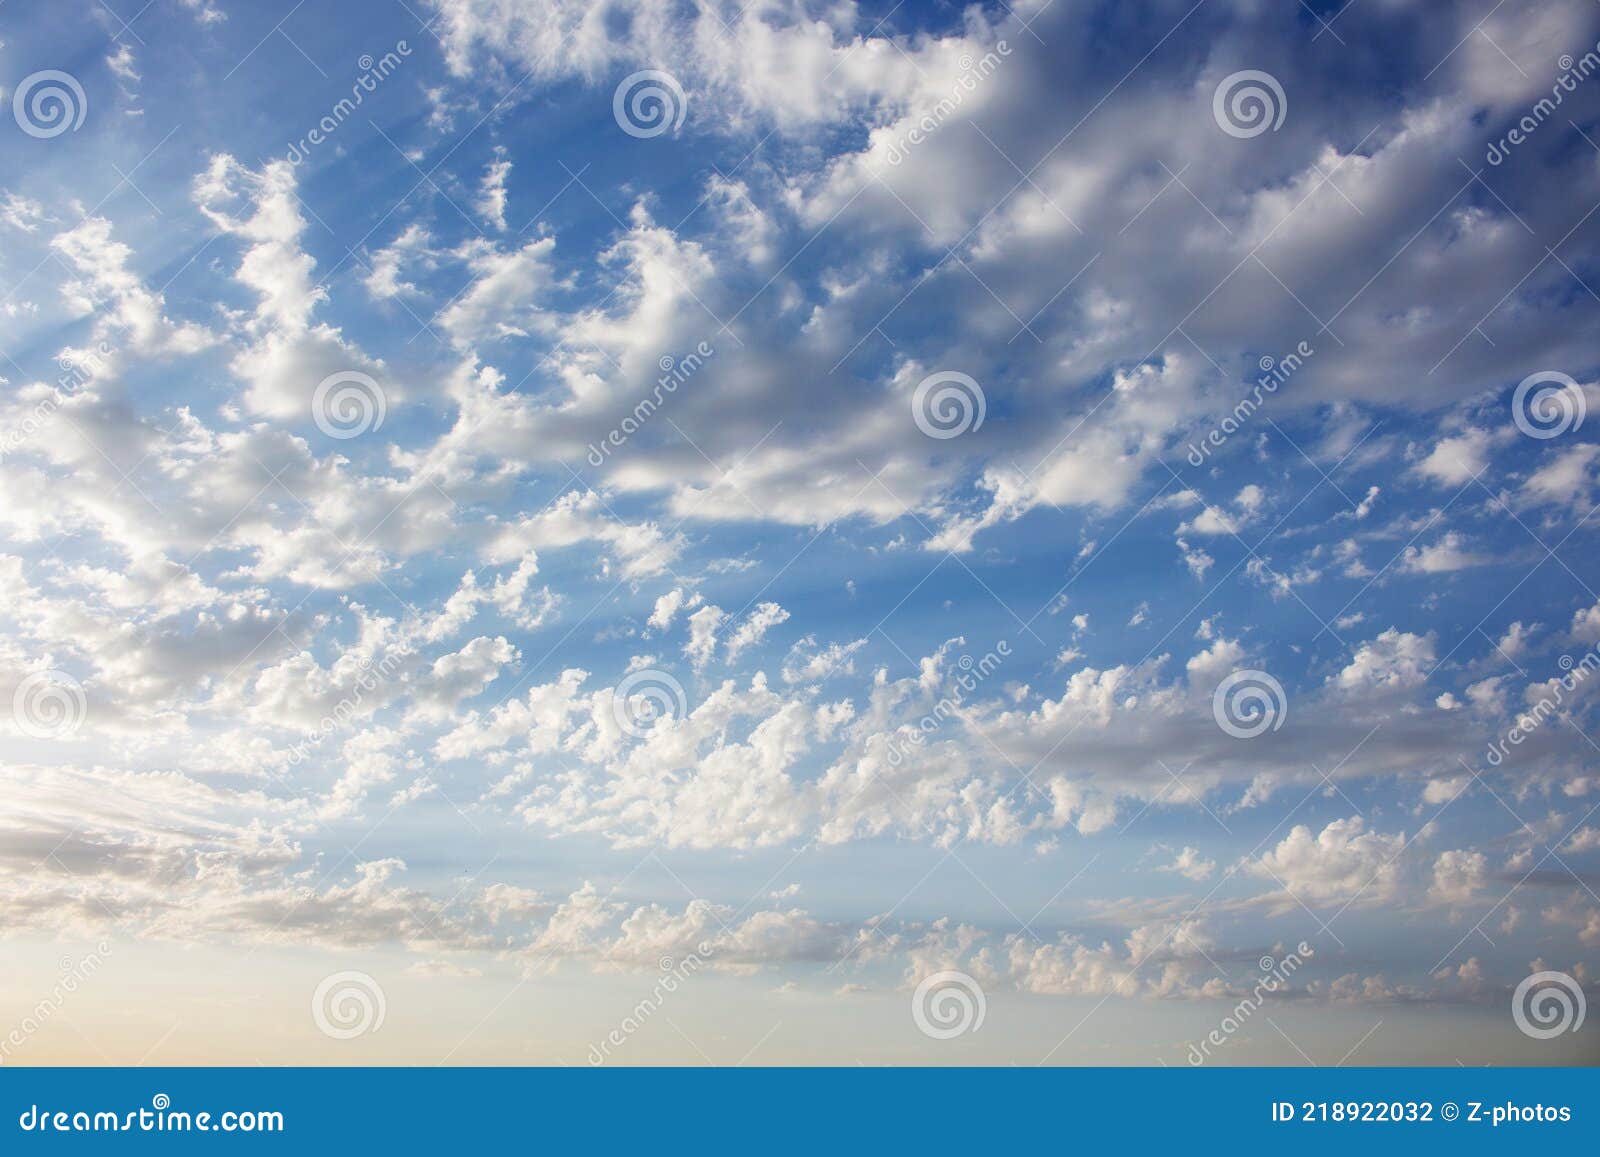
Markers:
682,532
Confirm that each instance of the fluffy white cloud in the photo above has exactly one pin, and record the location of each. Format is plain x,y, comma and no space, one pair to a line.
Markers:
1342,864
1191,865
1456,460
1458,876
754,628
1395,661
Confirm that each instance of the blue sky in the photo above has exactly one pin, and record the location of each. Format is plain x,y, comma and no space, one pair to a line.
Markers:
1091,492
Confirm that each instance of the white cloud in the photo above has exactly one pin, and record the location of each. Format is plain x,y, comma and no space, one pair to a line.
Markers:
668,606
1449,553
754,628
1344,863
807,661
1191,865
491,201
504,297
1586,624
703,627
640,549
1458,876
1396,660
1456,460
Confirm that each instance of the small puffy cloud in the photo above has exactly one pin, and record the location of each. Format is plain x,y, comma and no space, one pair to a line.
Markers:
1456,460
667,607
1567,481
1441,791
1514,643
1191,865
1458,876
1586,625
1449,553
808,661
703,627
1396,661
505,297
1337,865
1196,559
754,628
491,200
